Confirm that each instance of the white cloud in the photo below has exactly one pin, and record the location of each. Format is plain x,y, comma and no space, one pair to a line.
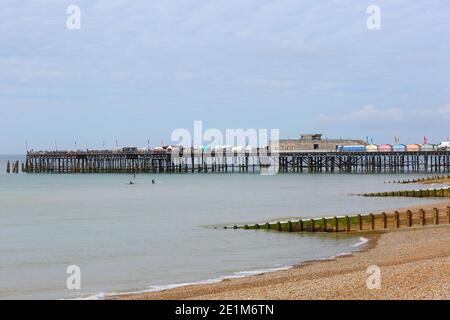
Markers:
444,111
270,83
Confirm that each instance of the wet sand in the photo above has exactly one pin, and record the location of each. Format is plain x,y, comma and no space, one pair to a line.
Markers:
414,264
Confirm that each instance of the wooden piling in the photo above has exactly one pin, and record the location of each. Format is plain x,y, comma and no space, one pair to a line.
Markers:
422,216
384,218
435,215
347,222
397,219
409,217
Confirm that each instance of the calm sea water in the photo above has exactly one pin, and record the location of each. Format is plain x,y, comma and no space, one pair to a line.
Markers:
147,236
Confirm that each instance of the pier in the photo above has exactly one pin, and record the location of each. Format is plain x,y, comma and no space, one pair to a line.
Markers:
259,160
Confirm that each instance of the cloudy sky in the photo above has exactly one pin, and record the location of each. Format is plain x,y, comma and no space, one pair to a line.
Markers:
138,69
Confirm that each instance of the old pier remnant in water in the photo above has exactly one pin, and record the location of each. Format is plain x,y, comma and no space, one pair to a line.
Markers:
255,160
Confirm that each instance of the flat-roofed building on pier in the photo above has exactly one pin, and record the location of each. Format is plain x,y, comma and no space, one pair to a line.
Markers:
311,142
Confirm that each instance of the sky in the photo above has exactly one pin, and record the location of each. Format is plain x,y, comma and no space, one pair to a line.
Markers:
136,70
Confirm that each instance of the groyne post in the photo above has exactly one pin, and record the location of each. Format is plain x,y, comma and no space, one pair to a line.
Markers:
409,217
435,215
336,224
8,167
397,219
300,224
347,220
372,221
448,214
313,229
360,222
384,217
422,216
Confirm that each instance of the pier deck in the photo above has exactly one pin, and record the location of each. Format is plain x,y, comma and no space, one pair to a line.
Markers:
284,161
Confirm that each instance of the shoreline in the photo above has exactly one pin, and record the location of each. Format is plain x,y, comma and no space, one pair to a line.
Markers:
359,246
400,252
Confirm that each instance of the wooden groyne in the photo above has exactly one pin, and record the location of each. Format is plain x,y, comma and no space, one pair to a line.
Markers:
419,193
356,223
257,160
434,179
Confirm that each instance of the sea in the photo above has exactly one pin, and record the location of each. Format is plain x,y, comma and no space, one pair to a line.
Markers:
153,236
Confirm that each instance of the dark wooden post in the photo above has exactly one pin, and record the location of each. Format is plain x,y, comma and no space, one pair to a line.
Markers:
397,219
313,229
360,222
436,216
422,216
324,223
383,215
268,226
409,217
300,225
279,225
347,222
290,226
372,221
448,214
336,224
8,167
